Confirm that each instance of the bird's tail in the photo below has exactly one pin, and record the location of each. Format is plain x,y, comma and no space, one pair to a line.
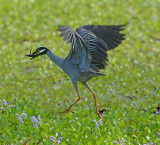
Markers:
97,74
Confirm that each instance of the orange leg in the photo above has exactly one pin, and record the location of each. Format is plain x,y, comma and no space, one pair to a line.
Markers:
69,109
96,105
95,100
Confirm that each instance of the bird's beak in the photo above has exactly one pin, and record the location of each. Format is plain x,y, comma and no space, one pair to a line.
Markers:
34,54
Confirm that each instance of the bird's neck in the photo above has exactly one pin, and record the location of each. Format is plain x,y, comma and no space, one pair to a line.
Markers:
57,60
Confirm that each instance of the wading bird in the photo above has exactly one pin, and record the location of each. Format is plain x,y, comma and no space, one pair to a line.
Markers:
88,54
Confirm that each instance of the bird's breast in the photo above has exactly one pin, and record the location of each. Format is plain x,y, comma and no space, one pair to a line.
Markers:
72,70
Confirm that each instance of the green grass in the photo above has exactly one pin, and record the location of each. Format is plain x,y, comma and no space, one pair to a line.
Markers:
129,92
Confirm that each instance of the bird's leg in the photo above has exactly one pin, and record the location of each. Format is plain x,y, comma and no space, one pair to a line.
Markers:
79,98
69,109
95,100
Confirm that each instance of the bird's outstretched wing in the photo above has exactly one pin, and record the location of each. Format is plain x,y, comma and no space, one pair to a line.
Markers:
79,53
100,39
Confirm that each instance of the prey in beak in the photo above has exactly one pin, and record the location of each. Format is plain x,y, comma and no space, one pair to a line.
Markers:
39,51
34,54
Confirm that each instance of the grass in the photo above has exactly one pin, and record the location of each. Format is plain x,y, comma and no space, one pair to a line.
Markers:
129,92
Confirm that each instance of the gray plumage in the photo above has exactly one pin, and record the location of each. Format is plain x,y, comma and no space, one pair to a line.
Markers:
98,38
88,54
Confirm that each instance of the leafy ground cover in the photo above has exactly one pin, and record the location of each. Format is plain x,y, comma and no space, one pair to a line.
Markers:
129,93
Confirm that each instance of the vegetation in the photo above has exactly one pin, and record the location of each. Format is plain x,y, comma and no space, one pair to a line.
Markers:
129,93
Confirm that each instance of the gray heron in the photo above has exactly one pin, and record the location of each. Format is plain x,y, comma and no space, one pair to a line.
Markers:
88,54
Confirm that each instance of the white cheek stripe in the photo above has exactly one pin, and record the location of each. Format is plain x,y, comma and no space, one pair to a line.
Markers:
42,51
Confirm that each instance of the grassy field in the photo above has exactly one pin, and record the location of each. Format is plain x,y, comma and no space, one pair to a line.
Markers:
130,92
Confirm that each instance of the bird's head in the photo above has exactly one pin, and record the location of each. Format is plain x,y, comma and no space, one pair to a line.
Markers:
39,51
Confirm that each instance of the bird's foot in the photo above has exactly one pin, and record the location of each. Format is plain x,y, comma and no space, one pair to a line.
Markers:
66,111
100,117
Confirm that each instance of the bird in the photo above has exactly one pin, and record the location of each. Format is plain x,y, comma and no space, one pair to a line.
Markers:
88,54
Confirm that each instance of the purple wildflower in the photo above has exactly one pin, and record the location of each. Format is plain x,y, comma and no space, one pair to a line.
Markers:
100,122
60,138
56,134
52,138
115,142
34,120
3,102
94,120
123,141
24,115
19,118
6,104
158,134
39,119
119,141
2,108
10,102
58,141
96,125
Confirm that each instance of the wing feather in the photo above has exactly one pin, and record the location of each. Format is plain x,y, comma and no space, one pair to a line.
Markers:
79,53
100,39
